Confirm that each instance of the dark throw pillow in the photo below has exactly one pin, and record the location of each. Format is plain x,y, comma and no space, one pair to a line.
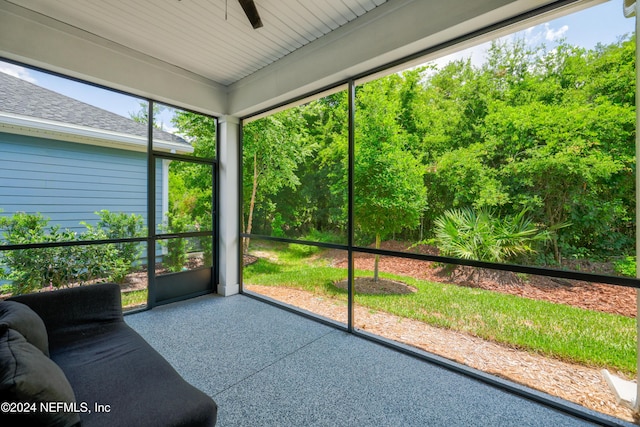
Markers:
29,377
21,318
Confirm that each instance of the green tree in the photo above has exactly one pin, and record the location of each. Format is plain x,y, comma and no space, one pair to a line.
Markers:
453,103
555,136
199,130
323,176
316,203
191,189
388,178
273,149
549,129
142,115
191,184
559,159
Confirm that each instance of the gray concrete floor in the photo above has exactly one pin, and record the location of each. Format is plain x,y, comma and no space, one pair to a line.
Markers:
265,366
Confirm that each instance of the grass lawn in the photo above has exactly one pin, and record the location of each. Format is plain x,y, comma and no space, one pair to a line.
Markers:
556,330
134,299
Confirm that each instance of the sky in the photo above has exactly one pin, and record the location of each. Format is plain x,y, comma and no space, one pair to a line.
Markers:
603,23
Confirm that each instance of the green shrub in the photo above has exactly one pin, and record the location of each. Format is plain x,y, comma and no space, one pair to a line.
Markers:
177,248
205,243
31,269
480,235
626,266
298,250
277,226
121,226
118,259
325,236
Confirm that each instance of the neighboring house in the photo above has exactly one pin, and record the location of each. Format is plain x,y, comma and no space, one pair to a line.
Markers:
66,159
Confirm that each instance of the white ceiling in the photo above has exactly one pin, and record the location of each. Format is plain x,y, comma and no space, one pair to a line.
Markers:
212,38
204,55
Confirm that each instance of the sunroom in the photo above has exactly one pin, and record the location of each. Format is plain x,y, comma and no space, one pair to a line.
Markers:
454,181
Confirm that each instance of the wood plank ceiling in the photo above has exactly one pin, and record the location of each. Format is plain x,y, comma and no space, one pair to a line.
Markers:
212,38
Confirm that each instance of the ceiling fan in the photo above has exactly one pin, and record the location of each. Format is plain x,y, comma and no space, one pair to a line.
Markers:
250,10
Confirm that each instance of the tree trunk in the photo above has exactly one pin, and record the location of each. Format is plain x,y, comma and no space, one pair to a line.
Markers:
377,259
555,217
254,192
556,250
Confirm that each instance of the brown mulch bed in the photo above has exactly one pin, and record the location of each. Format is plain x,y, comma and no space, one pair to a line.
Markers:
588,295
138,280
248,259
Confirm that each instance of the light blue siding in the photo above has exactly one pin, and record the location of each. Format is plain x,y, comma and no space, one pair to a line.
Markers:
69,182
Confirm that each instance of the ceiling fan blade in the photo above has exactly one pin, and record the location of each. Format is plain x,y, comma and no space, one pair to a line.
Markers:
250,10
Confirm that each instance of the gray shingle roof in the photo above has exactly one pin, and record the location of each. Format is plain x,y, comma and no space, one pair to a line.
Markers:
20,97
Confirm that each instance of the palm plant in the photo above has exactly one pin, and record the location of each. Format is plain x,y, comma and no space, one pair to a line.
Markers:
481,235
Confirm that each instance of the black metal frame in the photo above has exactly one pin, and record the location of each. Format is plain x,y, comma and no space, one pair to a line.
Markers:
350,203
152,236
351,83
543,398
